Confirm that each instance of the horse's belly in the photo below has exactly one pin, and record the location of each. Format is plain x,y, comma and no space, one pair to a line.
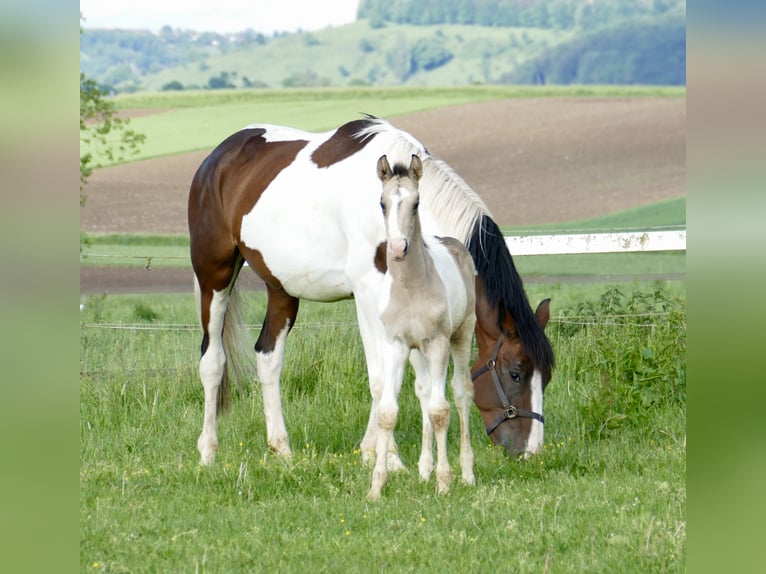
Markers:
308,271
307,255
318,285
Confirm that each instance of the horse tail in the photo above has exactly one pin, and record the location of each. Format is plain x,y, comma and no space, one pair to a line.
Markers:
237,346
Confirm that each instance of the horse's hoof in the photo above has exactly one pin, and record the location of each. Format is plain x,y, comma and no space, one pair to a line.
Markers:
281,447
207,451
394,463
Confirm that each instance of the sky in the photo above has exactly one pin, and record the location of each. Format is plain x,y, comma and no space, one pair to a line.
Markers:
265,16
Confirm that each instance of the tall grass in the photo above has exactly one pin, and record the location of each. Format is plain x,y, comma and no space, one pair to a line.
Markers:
607,493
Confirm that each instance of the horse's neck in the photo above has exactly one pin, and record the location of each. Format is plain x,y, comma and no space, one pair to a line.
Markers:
416,267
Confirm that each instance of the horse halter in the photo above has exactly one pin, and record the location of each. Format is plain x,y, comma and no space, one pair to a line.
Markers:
509,411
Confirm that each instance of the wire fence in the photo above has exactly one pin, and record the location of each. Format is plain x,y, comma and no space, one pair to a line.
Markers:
615,320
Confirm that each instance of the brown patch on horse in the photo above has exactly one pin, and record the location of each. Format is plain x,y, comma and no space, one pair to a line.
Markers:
244,164
342,144
281,311
380,257
254,258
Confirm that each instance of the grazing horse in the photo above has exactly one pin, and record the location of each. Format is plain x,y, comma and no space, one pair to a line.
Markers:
428,311
303,210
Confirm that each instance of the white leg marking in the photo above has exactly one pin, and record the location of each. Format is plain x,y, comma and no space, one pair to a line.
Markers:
535,440
211,368
269,370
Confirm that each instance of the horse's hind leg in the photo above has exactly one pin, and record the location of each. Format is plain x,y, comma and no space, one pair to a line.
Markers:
212,305
438,408
423,392
462,391
270,355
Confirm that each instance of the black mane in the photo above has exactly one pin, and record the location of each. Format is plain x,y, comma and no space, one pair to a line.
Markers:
503,283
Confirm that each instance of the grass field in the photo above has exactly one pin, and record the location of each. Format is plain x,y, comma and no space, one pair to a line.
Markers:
607,494
201,119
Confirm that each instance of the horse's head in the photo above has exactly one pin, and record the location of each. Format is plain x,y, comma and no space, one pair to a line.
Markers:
399,202
508,387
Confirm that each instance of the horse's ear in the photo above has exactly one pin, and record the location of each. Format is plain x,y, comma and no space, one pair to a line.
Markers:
416,168
543,312
384,170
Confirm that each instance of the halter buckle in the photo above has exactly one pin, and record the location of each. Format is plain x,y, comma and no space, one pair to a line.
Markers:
491,364
510,412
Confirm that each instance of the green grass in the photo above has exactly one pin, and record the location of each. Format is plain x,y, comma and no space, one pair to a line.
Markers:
202,119
667,214
607,494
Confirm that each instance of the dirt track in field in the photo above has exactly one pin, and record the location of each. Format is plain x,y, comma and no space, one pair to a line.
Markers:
533,161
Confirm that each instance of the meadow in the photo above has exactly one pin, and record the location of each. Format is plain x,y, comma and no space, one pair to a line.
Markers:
607,494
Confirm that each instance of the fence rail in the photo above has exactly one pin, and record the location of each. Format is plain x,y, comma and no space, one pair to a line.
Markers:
569,244
639,241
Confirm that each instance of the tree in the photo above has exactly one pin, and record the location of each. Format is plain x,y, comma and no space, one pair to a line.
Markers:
101,130
99,125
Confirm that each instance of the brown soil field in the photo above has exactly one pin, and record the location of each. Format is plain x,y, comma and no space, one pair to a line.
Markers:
533,161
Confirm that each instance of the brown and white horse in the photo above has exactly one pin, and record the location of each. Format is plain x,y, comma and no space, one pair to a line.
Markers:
303,210
427,308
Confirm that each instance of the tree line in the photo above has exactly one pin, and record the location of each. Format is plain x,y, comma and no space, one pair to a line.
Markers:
558,14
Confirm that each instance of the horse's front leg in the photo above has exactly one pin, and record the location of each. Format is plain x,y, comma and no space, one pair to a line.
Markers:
373,340
388,411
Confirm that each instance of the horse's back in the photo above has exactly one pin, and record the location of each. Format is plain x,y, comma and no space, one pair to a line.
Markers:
456,270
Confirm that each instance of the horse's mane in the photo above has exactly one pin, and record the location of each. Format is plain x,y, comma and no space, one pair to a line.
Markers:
502,282
456,208
448,199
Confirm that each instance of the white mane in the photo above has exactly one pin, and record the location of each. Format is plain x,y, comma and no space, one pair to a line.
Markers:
450,202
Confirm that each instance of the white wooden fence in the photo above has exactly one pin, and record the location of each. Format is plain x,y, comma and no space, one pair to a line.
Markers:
597,243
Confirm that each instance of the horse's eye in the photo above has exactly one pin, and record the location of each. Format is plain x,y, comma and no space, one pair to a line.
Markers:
516,377
415,207
382,207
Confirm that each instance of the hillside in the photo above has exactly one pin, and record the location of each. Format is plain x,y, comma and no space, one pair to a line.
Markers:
646,50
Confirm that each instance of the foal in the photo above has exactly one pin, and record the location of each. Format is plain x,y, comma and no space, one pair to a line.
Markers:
427,307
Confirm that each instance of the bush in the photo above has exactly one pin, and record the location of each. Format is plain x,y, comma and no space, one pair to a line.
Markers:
174,85
630,357
429,54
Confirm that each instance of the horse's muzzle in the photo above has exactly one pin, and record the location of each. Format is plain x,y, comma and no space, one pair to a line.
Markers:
398,248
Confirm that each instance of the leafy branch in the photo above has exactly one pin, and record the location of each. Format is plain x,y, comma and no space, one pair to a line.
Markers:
98,125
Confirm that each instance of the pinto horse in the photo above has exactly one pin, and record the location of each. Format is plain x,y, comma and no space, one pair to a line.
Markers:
428,311
303,210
